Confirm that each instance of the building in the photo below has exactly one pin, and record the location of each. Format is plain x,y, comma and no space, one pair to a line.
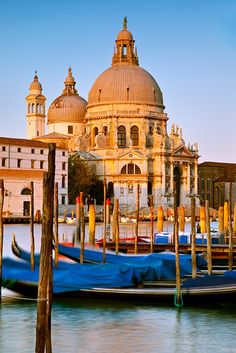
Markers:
122,131
24,161
217,183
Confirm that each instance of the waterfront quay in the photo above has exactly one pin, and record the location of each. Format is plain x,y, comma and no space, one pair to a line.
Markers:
16,219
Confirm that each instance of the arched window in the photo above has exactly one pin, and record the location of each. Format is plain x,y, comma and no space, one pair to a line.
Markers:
95,131
124,50
121,136
26,191
104,129
130,169
32,108
134,135
37,108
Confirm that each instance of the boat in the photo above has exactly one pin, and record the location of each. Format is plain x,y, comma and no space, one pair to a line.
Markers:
185,238
70,220
155,265
113,281
61,219
137,280
68,278
207,290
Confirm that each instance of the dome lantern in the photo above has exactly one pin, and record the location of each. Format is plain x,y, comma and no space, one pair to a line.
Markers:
70,83
125,83
124,50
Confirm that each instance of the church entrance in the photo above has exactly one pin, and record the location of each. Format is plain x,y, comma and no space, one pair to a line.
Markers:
177,178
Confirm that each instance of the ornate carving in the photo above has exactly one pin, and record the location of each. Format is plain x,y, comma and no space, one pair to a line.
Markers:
83,142
100,140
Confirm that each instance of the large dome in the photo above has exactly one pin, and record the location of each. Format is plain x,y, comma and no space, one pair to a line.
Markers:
68,107
125,83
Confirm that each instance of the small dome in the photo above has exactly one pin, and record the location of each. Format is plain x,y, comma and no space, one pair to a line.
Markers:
67,108
35,85
69,79
124,35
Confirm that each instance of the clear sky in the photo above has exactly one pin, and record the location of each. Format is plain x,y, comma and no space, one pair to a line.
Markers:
189,46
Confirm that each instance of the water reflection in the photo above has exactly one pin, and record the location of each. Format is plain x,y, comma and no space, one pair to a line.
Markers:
90,326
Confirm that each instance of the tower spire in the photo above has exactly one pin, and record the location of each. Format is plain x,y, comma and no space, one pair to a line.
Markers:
35,115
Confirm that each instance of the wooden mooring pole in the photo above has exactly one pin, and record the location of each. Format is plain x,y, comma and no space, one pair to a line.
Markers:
43,328
32,246
104,222
78,222
234,224
226,221
137,221
117,233
56,240
152,226
193,239
178,300
230,231
208,229
81,196
1,231
92,222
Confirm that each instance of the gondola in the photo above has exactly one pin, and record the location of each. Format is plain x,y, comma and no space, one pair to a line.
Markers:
96,256
116,282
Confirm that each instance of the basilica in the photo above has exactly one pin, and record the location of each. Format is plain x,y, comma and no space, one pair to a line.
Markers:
122,131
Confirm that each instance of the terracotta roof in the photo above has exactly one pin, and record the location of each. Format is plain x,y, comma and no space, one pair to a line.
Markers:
21,174
53,135
217,164
67,108
22,142
125,83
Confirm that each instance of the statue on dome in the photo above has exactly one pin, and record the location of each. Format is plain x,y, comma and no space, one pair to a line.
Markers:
125,23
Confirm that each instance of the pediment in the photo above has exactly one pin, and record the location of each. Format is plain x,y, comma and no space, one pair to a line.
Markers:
182,151
131,155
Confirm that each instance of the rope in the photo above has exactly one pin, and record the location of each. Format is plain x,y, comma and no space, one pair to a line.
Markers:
19,298
181,304
38,300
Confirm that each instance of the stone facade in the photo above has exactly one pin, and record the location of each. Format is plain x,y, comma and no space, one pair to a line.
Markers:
215,181
23,161
124,132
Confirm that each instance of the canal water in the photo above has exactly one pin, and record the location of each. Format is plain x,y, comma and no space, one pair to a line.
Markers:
90,326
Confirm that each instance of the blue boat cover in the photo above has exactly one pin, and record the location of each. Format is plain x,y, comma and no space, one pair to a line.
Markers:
69,277
168,258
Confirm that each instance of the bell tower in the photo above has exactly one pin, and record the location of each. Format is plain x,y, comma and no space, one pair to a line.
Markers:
35,103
